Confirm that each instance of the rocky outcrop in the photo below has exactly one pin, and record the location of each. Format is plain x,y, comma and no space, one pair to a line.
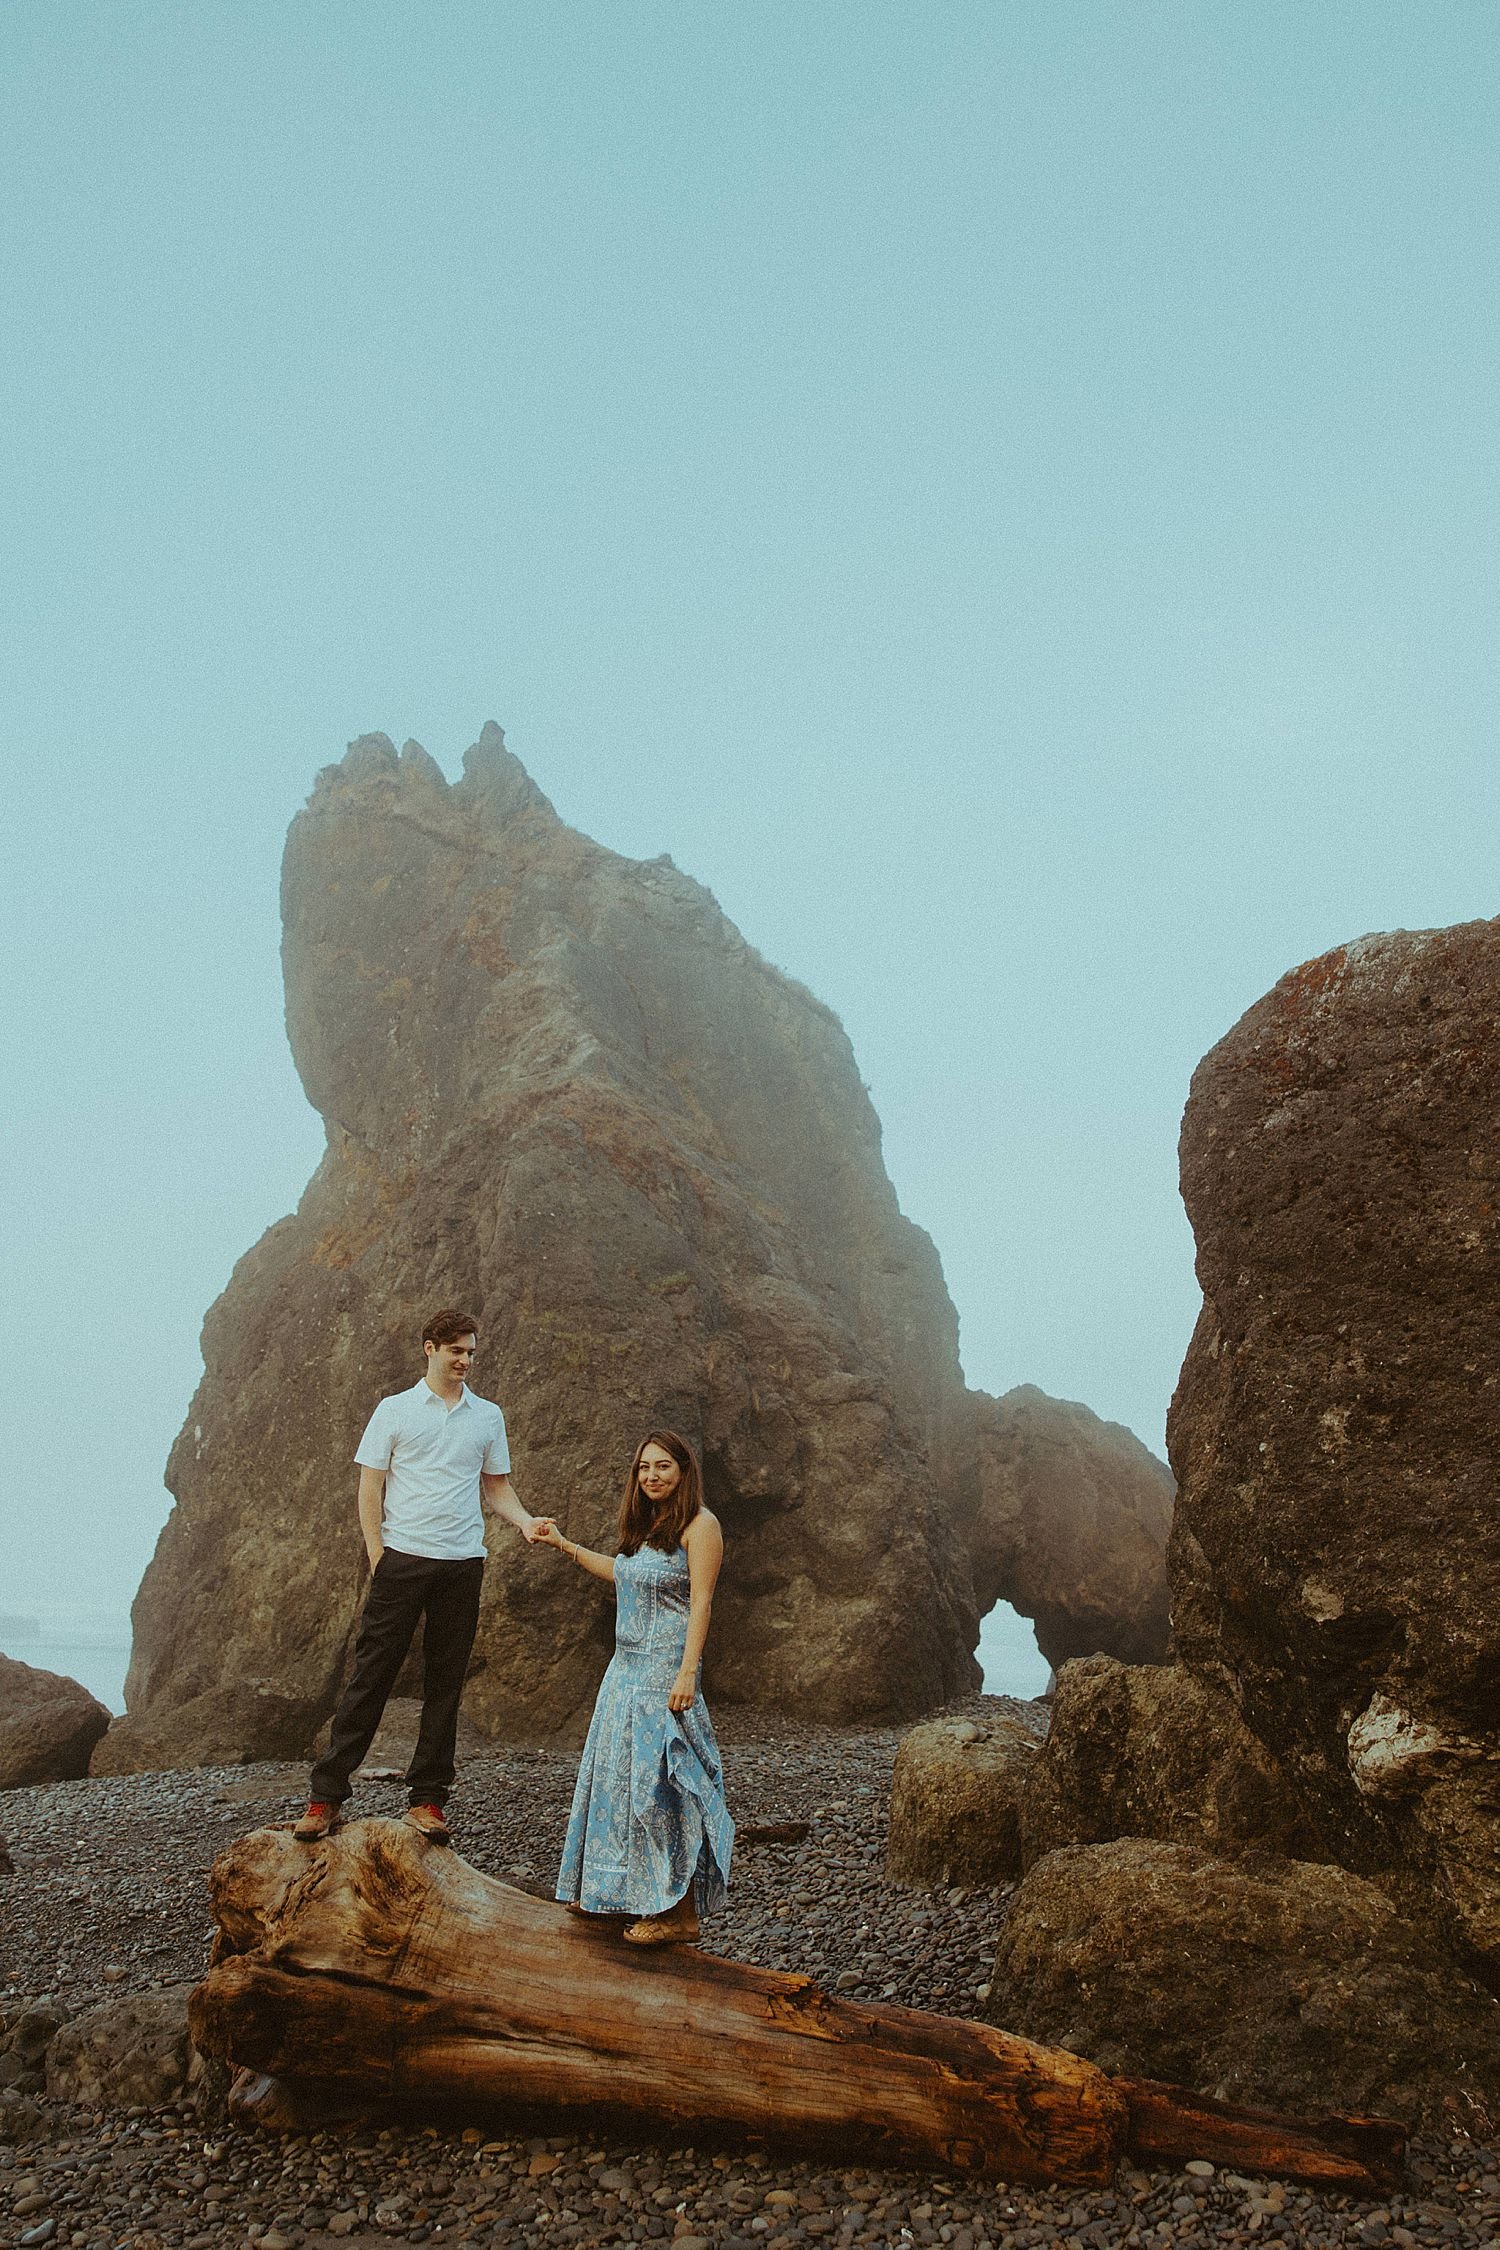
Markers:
558,1085
1148,1750
48,1725
1070,1527
1336,1553
1335,1574
1130,1750
1262,1980
561,1088
224,1726
956,1799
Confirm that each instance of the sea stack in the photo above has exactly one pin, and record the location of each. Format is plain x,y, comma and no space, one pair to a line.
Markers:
561,1089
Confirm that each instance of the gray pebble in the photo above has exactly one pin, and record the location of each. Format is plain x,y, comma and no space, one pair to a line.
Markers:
147,1841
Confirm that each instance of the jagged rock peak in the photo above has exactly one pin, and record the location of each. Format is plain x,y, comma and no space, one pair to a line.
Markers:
495,800
497,776
367,754
421,763
493,776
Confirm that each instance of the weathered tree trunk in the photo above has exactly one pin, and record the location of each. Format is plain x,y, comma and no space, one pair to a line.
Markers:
376,1965
1171,2125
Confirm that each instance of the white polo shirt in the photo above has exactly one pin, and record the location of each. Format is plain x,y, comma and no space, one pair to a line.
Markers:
433,1456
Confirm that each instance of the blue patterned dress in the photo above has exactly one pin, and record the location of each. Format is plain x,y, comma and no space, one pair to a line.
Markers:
649,1816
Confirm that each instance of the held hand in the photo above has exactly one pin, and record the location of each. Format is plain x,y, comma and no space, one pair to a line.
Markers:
539,1529
684,1688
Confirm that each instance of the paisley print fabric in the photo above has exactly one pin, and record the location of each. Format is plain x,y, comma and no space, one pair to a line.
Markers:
649,1816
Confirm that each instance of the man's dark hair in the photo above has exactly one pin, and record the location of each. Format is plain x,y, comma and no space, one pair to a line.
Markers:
447,1326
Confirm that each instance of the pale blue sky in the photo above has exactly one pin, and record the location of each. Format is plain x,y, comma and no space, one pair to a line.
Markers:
1005,494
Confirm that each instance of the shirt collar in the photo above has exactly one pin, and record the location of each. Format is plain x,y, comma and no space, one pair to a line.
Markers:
421,1388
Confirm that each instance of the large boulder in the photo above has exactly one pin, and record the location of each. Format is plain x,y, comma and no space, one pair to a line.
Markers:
1264,1981
132,2050
1070,1527
48,1725
1148,1750
956,1799
1336,1552
560,1088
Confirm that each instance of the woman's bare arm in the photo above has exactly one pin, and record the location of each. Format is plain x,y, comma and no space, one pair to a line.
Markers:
597,1565
704,1542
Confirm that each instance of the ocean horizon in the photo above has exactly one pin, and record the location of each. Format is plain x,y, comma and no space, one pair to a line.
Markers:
92,1646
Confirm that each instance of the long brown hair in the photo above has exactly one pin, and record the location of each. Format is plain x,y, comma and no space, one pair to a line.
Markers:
640,1525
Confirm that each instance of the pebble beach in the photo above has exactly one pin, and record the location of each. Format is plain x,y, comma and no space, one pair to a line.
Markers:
109,1894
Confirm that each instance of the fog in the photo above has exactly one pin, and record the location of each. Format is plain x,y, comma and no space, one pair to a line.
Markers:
1006,497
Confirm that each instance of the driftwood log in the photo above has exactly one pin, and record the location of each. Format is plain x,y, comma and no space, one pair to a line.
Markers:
378,1967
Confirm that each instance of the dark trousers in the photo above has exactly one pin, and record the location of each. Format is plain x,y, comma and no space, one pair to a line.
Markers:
403,1589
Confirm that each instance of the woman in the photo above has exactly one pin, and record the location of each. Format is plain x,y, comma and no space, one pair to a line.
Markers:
649,1834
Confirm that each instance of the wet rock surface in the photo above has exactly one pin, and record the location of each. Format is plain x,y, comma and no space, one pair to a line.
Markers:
1149,1750
1335,1555
956,1797
1269,1982
110,1895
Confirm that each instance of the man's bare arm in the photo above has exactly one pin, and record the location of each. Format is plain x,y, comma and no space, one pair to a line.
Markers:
500,1500
372,1512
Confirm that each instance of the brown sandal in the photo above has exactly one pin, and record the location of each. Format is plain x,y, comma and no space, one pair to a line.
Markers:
659,1931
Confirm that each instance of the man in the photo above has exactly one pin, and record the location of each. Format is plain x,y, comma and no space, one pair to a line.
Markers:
431,1461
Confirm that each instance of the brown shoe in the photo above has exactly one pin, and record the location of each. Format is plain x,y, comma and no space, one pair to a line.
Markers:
318,1821
429,1821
